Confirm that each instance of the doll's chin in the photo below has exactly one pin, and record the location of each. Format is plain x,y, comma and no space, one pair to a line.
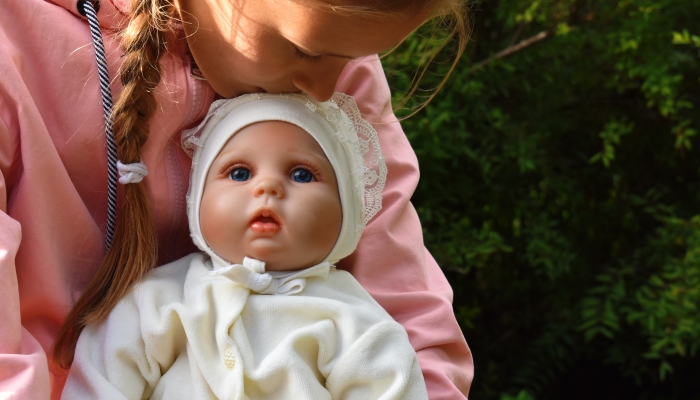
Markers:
276,256
269,252
274,261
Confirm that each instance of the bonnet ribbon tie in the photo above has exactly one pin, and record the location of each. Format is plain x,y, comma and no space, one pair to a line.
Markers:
251,274
131,173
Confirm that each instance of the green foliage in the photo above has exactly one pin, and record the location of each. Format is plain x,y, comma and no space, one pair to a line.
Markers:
612,132
559,192
522,395
667,304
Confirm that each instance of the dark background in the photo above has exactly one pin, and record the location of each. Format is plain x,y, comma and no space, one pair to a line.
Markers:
560,193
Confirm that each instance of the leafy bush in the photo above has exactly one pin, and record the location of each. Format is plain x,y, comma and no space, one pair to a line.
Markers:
560,193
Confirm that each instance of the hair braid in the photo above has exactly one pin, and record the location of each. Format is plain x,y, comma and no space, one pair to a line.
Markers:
134,248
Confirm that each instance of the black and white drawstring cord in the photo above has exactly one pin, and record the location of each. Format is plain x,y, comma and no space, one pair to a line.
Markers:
129,173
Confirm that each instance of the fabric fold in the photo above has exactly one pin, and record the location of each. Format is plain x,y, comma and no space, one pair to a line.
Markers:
251,275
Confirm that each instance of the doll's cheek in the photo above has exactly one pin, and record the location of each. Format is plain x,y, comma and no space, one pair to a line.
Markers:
220,215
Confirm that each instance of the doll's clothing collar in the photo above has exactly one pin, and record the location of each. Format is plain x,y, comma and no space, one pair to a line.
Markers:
251,274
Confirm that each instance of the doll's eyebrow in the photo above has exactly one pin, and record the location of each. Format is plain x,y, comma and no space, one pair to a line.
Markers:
235,150
306,153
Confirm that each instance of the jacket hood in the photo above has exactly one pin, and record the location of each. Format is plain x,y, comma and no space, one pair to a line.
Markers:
112,14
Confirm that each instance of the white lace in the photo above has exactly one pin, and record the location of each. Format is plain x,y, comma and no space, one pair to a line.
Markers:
374,170
131,173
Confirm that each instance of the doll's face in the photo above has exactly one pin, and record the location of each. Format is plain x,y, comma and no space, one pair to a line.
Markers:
271,194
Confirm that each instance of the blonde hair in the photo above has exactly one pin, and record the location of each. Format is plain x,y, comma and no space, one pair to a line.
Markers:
449,15
133,252
452,16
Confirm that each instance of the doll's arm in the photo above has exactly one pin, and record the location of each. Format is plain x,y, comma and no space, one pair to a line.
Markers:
391,261
111,361
380,364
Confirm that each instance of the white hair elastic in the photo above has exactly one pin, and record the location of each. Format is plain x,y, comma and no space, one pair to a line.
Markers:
131,173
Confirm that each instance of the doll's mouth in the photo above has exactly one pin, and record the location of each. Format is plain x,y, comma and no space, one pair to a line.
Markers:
265,221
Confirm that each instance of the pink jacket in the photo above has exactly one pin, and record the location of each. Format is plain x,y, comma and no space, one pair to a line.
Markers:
53,196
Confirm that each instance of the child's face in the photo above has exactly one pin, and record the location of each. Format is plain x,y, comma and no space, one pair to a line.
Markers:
271,194
281,46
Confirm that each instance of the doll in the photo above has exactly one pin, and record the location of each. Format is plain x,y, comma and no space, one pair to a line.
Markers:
280,190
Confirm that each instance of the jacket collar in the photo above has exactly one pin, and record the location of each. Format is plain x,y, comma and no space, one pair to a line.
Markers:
112,13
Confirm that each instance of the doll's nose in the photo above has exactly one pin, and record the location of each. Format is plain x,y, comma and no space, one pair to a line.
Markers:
269,187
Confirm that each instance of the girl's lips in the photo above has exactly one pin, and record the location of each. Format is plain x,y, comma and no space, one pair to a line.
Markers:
265,221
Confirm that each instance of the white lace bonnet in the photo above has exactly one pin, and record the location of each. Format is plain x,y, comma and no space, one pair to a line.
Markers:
350,143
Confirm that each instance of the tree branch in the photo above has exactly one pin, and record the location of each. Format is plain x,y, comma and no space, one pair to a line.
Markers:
510,50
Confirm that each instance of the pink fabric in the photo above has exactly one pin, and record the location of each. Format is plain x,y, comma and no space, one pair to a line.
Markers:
391,261
53,185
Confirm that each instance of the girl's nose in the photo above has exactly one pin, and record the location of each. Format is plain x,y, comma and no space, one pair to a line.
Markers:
317,90
268,187
319,85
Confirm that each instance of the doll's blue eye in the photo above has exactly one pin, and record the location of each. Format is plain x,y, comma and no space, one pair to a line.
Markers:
240,174
302,175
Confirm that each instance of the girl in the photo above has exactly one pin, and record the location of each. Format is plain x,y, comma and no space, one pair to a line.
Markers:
53,161
291,182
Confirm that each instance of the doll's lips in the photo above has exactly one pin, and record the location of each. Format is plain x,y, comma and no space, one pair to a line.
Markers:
265,221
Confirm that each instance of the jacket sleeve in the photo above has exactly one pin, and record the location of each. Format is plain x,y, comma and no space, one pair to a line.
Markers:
391,261
24,372
380,364
111,361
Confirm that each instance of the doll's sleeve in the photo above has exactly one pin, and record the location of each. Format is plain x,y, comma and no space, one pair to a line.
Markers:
111,361
380,364
391,261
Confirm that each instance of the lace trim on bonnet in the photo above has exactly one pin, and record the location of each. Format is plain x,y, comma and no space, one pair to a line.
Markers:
353,132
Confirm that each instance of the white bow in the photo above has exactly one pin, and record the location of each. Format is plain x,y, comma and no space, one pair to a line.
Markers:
251,274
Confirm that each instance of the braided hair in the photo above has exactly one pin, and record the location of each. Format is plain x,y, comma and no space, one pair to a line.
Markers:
133,252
